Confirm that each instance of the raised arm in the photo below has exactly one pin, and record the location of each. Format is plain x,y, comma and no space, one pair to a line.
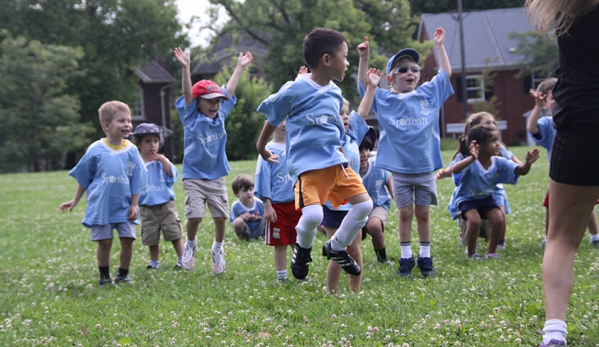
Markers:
364,52
184,60
242,61
464,163
374,77
531,157
439,39
533,126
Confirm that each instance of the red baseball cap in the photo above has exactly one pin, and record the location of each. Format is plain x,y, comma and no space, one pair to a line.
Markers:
206,89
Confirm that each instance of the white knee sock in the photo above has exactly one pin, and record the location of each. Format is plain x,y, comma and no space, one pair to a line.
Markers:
555,329
307,224
350,226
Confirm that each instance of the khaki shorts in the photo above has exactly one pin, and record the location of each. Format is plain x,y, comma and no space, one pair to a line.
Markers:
336,184
160,217
200,192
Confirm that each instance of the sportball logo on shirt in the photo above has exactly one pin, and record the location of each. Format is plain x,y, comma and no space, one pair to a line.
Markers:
407,122
324,119
206,140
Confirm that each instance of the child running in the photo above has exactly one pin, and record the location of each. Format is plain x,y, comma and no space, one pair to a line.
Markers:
481,169
311,105
409,143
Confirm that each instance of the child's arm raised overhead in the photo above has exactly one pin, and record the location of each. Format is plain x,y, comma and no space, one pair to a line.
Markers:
439,39
464,163
533,126
531,157
374,77
242,61
364,52
184,60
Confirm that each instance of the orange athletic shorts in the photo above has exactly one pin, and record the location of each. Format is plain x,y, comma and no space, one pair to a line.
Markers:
336,184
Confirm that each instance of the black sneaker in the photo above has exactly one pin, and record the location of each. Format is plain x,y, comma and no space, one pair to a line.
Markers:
347,263
104,281
405,266
125,279
426,266
299,262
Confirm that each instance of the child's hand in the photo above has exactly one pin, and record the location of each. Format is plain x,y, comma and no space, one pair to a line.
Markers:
439,36
244,59
539,97
474,149
364,47
182,57
302,70
132,215
270,214
532,156
269,156
443,173
69,205
374,76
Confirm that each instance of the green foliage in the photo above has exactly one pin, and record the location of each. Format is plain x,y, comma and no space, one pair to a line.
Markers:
540,54
40,119
438,6
487,79
282,25
50,295
243,124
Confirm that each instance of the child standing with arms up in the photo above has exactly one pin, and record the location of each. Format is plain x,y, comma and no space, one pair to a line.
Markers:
311,106
157,207
275,187
114,175
203,109
409,144
480,172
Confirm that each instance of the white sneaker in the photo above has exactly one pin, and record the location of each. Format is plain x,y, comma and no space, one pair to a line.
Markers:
189,257
218,263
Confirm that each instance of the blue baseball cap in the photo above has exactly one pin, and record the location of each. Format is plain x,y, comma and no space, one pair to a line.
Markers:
404,53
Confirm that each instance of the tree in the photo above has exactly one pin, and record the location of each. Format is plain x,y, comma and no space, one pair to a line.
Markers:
244,123
281,26
116,36
40,119
438,6
540,53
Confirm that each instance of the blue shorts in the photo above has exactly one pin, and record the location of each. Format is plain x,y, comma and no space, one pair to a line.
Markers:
104,232
332,218
481,205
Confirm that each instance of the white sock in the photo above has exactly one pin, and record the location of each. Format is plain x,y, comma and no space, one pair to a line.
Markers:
555,329
307,224
351,225
594,237
425,249
192,243
217,247
406,250
281,274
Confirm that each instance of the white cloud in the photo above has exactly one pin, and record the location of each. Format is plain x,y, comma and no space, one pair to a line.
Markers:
199,8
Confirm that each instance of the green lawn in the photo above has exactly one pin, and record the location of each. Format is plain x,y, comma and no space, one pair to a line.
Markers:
49,293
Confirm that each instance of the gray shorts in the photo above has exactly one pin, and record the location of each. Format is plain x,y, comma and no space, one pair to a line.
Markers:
200,192
159,217
420,189
255,232
104,232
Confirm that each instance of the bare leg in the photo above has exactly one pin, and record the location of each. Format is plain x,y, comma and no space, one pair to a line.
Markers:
192,227
405,223
593,227
220,225
103,252
496,217
154,252
280,257
333,269
472,230
504,229
178,245
355,250
375,230
126,252
423,223
570,208
239,226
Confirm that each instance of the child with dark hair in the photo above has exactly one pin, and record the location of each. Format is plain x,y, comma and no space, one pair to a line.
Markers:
247,213
480,171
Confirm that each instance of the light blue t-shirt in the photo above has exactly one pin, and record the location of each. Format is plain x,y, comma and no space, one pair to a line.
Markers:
237,209
272,179
356,131
314,127
375,181
205,139
476,182
409,141
111,177
546,134
160,185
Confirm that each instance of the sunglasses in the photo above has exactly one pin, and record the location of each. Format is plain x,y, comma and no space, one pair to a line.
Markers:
403,69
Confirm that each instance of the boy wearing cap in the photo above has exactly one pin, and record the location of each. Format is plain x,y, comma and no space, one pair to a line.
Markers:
409,144
157,207
203,109
113,173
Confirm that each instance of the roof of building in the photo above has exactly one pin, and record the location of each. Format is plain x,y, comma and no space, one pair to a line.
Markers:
485,35
153,72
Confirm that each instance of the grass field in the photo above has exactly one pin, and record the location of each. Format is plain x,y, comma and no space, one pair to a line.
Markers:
49,294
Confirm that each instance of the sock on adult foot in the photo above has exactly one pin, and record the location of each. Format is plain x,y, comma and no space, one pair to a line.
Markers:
555,329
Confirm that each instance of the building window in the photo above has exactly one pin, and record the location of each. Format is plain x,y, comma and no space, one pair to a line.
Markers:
136,106
536,79
475,88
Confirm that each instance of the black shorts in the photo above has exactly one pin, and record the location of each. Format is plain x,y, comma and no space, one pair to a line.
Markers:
575,159
332,218
481,205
